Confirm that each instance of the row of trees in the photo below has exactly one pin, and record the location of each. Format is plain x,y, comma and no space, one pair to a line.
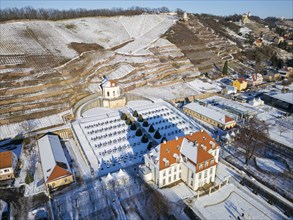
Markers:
54,14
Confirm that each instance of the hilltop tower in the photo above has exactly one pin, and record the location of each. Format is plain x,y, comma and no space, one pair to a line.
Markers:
112,94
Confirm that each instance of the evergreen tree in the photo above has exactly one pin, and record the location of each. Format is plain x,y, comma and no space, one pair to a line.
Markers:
225,68
144,139
138,132
128,122
157,135
135,114
28,178
151,129
133,127
123,116
145,123
150,145
140,118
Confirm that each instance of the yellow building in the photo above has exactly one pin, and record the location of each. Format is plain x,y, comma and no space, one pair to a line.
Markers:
55,166
209,115
240,84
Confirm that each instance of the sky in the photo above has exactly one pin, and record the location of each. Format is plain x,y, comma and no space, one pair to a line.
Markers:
261,8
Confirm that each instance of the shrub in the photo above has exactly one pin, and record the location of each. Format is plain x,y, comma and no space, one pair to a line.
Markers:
150,145
138,133
123,116
151,129
135,114
157,135
140,118
133,127
145,123
144,139
128,121
163,139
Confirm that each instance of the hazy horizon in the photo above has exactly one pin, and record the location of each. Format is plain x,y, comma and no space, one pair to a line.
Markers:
261,8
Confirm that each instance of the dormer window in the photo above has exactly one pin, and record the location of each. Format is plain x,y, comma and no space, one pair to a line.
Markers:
200,166
212,161
166,161
176,156
206,164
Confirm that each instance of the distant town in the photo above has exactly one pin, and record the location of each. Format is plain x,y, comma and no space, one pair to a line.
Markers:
145,114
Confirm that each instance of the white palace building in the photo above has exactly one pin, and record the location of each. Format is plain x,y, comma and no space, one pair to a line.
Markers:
192,158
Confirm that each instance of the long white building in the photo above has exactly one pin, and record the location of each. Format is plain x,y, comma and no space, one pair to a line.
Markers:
192,159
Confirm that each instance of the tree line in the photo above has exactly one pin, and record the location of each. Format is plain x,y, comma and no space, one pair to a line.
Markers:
55,14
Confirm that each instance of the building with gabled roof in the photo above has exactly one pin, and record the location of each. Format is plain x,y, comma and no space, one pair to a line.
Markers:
55,166
8,161
240,84
192,159
112,94
209,115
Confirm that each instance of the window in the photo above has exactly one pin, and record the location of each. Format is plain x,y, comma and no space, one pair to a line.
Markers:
211,170
191,183
65,180
175,176
206,164
175,169
170,170
169,179
199,176
180,175
164,181
179,167
113,93
205,173
164,173
6,170
212,161
108,94
200,166
191,176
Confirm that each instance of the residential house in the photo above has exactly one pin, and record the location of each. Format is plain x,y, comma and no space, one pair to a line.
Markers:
8,161
240,84
55,166
258,42
255,79
257,102
192,159
209,115
230,90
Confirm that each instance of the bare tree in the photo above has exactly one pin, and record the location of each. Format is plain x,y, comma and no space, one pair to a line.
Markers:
251,136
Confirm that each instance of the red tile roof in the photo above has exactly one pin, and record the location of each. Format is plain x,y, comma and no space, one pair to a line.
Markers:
168,149
228,119
5,159
57,173
241,80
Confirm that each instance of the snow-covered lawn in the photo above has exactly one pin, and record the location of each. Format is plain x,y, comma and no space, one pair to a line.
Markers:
120,195
178,90
109,144
271,165
231,202
201,86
